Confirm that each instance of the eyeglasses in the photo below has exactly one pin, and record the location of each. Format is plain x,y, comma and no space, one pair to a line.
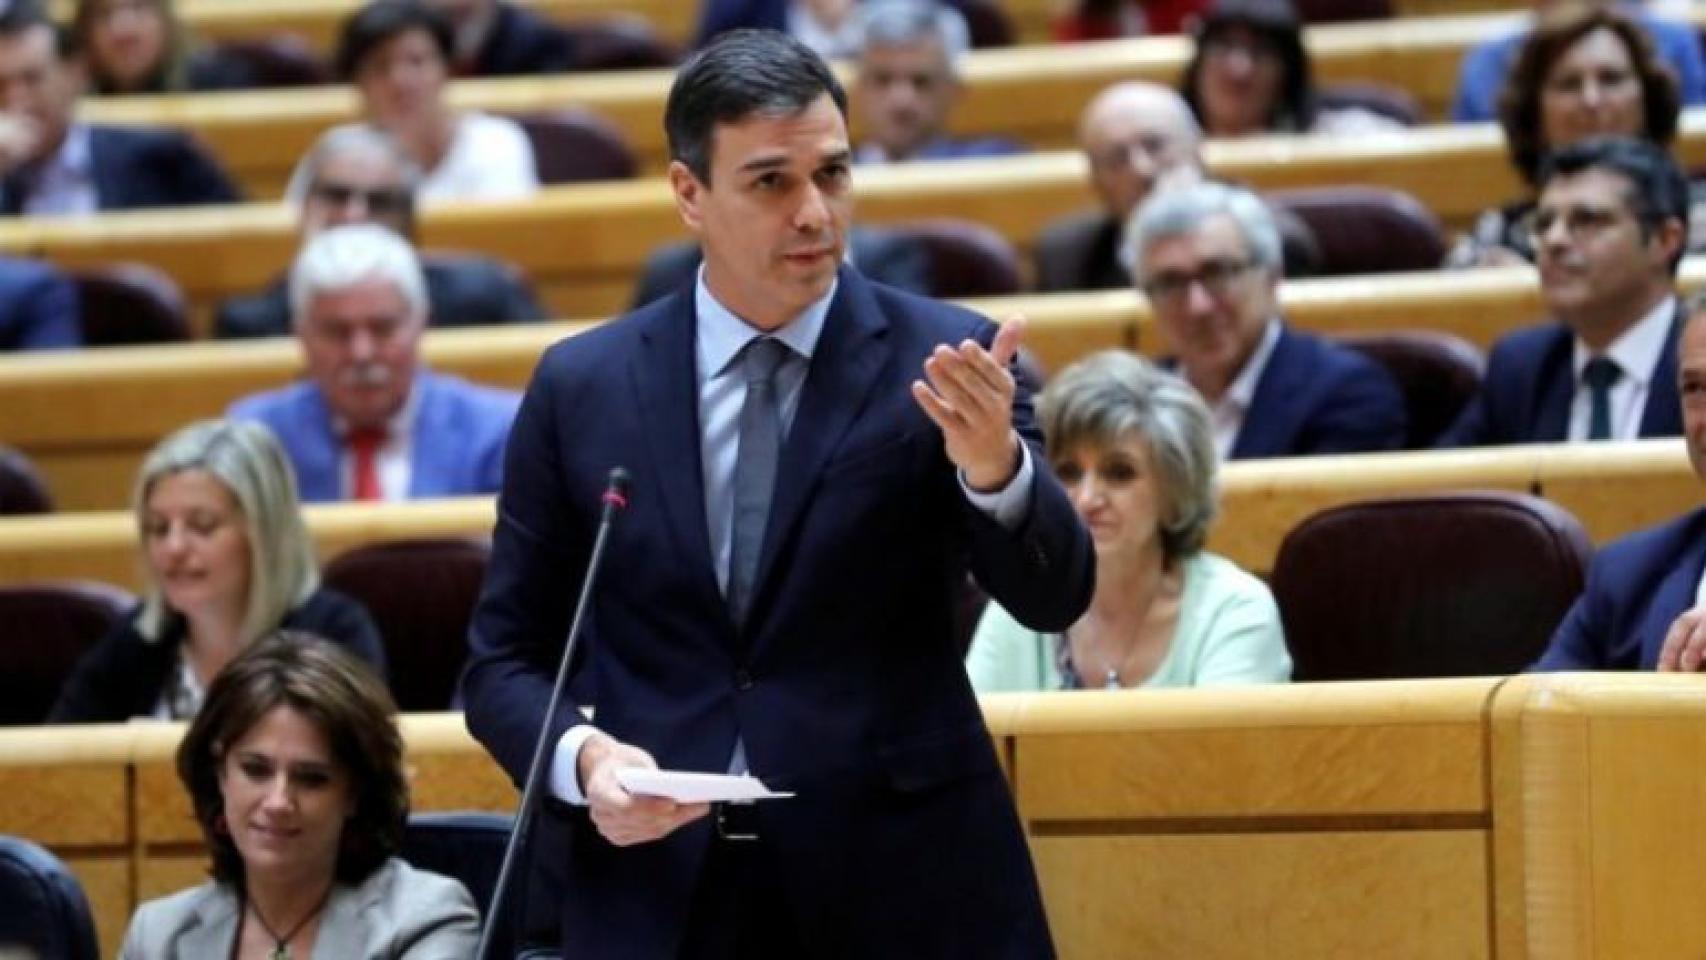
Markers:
1116,156
1580,223
1216,276
380,202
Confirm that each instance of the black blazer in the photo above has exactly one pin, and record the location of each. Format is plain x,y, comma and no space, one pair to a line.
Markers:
464,291
846,683
1525,396
122,676
136,168
522,42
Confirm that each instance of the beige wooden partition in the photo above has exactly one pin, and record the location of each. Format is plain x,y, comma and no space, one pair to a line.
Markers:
1327,820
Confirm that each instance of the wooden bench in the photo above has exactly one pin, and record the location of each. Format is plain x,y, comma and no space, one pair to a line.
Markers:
583,245
1544,815
1033,93
1613,489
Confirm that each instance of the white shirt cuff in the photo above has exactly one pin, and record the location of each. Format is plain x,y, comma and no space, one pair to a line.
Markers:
564,777
1009,505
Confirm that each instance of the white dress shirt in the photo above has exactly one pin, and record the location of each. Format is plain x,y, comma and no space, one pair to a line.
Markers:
1230,409
1636,353
64,183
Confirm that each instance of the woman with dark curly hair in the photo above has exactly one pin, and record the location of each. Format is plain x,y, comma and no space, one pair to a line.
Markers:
1585,71
1250,75
295,769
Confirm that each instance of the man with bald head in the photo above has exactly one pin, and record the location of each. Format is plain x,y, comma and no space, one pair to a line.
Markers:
1136,136
358,174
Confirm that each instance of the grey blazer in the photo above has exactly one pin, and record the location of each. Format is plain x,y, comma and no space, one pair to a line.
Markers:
400,912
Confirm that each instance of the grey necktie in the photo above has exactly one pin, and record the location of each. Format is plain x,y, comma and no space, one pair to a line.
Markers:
755,468
1600,374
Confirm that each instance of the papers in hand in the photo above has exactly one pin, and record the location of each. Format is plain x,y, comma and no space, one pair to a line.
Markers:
684,787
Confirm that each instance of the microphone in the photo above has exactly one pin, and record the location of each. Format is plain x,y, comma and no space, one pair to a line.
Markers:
614,500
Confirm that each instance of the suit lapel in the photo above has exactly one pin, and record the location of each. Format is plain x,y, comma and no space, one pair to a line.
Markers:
214,928
426,473
666,396
1663,414
1270,423
1554,390
320,451
850,353
110,188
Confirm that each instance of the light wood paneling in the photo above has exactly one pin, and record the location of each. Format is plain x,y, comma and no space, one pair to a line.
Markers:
106,882
1394,895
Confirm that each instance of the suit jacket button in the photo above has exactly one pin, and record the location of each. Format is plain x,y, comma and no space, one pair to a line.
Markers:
743,679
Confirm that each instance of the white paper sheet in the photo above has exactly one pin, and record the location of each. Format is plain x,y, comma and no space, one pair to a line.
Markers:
686,787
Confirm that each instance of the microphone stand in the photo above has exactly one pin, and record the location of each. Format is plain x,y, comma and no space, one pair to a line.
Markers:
615,499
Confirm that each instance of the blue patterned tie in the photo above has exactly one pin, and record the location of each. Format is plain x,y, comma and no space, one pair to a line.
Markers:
1600,374
755,468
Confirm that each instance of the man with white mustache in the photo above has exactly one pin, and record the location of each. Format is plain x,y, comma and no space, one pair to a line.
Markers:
369,422
1608,232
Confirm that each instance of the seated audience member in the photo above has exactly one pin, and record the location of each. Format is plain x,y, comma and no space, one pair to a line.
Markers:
52,163
357,174
227,560
1609,230
886,256
295,772
370,422
1483,74
1584,72
142,47
1250,75
1137,137
829,27
398,54
908,81
1644,606
38,307
1111,19
1208,258
1134,448
500,38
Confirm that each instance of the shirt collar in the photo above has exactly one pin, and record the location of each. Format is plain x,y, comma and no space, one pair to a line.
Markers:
1637,349
1242,390
401,424
73,156
722,335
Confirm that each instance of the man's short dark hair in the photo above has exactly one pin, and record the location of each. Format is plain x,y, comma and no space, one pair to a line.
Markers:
742,73
1657,189
378,22
21,16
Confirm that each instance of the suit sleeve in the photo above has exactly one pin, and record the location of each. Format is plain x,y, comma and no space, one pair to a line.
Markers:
1581,640
1363,412
1043,571
539,554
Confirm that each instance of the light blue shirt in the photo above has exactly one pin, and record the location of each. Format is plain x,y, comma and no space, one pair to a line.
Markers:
718,341
64,184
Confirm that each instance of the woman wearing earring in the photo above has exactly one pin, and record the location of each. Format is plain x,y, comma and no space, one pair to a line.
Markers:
295,769
1134,447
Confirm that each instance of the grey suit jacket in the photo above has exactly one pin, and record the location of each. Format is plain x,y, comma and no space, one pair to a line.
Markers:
400,912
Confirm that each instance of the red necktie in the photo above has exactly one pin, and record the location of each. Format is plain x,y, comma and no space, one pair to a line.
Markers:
364,444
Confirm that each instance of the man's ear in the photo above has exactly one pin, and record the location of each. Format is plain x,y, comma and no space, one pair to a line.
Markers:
688,191
1670,236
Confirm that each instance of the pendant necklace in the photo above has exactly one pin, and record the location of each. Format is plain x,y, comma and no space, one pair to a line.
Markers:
281,944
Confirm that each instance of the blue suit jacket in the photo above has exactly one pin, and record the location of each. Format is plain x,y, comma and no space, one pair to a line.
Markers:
846,685
1482,75
135,168
1318,397
1526,393
1637,586
38,307
457,447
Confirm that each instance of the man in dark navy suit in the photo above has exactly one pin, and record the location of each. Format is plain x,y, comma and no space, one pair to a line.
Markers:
52,164
817,461
1609,230
1208,256
1644,606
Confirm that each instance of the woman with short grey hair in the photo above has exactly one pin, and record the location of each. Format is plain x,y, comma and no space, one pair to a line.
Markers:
1134,447
227,559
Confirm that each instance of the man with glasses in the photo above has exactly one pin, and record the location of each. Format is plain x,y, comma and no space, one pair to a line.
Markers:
1208,258
370,422
358,174
1137,137
1608,232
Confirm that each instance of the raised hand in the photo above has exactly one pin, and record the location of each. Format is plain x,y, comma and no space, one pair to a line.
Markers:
968,392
